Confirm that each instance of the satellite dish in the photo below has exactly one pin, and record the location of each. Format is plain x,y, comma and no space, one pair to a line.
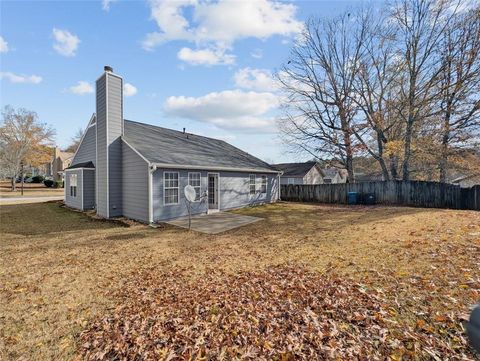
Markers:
190,193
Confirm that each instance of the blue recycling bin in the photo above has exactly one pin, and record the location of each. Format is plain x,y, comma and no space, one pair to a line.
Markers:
352,197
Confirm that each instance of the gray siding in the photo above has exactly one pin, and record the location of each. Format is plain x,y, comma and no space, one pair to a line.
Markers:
88,183
115,129
234,192
86,150
135,185
73,202
101,164
109,152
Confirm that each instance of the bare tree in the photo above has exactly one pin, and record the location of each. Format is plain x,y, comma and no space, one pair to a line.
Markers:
459,99
23,139
375,124
75,141
419,25
318,82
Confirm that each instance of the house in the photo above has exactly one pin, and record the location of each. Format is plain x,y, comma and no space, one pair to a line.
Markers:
466,181
300,173
126,168
61,160
55,168
334,175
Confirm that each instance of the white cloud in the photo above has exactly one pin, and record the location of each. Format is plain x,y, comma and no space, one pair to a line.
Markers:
229,109
255,79
205,57
218,24
25,79
81,88
106,4
66,43
257,54
129,90
3,45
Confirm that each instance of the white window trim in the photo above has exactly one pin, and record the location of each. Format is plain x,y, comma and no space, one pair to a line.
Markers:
261,184
178,187
200,186
250,184
70,184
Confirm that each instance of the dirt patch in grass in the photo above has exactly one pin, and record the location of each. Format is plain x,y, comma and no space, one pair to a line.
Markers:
59,270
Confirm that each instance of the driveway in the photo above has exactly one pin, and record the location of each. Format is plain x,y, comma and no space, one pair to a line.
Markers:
20,200
215,223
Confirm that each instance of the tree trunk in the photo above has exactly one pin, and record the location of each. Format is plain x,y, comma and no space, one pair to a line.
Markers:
349,156
14,183
408,149
380,159
442,166
394,166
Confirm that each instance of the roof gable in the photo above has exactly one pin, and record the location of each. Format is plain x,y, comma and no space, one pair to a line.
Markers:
295,169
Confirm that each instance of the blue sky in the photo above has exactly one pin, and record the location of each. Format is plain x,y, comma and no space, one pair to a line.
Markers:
201,65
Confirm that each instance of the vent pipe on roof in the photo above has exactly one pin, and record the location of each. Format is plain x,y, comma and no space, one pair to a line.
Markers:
108,68
183,130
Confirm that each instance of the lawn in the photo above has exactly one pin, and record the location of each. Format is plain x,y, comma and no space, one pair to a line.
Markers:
29,190
396,282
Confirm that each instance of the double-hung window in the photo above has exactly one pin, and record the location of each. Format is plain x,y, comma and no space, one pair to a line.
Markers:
194,181
170,187
263,186
73,185
291,180
252,184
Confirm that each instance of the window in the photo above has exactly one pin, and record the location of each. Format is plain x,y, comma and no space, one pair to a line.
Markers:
170,187
194,181
253,189
291,181
263,187
73,185
327,180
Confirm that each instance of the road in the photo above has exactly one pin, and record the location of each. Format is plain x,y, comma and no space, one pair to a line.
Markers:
22,200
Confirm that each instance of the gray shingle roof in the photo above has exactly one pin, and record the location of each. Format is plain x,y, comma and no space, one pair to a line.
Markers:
167,146
294,169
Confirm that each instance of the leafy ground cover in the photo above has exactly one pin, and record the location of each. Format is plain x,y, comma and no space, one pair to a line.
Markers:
65,279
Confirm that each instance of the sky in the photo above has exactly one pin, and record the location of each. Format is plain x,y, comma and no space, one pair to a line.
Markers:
201,65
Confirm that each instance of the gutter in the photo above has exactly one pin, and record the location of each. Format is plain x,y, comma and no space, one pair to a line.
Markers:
202,167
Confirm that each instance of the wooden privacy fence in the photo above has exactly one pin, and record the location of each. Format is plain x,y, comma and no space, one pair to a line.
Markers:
411,193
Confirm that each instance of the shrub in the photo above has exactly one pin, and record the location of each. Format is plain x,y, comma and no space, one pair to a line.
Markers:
37,179
58,184
48,183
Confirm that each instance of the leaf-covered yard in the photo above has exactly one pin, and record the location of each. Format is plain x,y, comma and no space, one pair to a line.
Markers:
310,281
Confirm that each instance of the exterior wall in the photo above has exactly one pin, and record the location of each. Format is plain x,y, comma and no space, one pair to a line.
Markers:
135,185
86,150
88,182
313,177
74,202
115,131
284,180
109,145
233,189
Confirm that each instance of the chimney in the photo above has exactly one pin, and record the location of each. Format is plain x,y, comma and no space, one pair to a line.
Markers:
183,130
109,104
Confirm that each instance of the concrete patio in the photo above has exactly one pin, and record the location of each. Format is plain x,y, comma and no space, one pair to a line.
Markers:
214,223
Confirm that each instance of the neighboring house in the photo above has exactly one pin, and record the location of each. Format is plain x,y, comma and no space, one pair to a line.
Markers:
137,170
334,175
300,173
467,181
61,160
